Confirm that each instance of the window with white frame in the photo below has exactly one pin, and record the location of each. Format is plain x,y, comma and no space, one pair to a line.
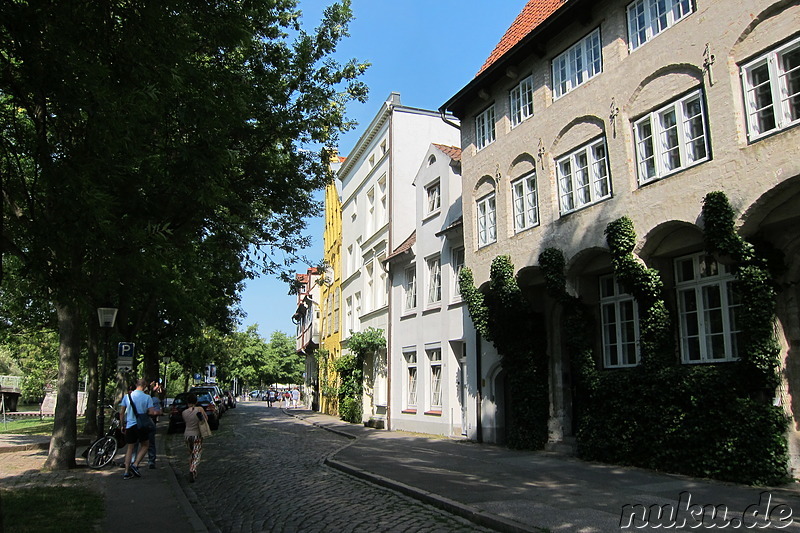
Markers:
648,18
410,287
671,138
381,211
369,287
434,280
772,90
707,309
619,318
484,128
357,312
521,101
348,314
434,196
458,265
583,176
435,358
383,288
577,65
525,201
411,384
371,226
487,222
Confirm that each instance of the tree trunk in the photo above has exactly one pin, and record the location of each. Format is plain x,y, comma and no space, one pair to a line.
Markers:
93,383
63,443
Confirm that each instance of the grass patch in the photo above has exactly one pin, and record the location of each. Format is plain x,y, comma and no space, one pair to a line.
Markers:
32,426
50,509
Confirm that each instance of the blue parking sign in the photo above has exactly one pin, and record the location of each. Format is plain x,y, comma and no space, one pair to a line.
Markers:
125,349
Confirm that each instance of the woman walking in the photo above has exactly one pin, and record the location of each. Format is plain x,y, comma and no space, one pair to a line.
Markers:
192,416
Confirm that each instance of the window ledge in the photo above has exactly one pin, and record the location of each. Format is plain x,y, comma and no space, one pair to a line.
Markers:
432,214
409,411
434,413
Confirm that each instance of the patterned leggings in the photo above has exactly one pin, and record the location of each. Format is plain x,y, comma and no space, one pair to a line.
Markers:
195,445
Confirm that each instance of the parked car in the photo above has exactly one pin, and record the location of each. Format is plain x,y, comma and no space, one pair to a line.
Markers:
255,394
230,399
179,404
215,392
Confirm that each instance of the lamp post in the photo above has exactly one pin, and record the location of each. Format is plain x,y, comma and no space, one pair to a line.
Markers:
107,316
166,360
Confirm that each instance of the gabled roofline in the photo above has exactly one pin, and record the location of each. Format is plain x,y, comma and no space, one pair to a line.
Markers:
391,104
531,43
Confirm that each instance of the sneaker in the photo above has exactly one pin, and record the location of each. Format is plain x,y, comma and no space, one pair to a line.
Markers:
135,471
152,466
127,475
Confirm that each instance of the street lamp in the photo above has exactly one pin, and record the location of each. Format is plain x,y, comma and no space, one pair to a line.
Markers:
106,316
166,360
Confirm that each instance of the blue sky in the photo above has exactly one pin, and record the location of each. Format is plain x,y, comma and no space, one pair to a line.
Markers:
426,50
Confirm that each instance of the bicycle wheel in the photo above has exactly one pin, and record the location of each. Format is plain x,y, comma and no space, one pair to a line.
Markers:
101,452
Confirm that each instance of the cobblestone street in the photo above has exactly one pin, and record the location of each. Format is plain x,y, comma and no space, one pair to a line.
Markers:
262,471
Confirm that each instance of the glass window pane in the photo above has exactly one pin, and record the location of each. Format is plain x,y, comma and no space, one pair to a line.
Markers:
790,63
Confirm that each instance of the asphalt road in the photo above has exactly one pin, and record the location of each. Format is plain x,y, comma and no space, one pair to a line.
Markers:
263,471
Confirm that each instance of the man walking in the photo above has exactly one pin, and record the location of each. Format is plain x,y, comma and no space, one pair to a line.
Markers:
133,403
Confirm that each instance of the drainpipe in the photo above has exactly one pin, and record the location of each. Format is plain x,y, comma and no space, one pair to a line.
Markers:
446,120
389,299
479,397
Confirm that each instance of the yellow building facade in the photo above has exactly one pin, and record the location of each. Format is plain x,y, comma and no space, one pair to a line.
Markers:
330,299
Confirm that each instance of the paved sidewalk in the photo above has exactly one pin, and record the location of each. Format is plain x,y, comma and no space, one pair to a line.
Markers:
503,489
160,503
521,491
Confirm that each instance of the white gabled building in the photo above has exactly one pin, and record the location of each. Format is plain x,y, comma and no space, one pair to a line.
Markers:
433,387
377,201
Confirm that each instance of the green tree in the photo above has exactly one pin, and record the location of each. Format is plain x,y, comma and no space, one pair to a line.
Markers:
282,353
133,131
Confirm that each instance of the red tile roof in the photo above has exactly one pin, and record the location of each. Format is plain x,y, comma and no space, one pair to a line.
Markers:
453,152
534,13
403,248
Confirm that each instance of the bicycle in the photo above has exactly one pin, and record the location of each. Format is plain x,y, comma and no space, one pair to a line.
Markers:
102,451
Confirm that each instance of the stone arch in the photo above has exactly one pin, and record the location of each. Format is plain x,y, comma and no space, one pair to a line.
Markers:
778,206
586,265
578,131
773,221
485,185
521,165
769,12
669,239
661,84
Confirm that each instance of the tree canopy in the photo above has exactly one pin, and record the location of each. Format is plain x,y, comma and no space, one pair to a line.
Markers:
153,155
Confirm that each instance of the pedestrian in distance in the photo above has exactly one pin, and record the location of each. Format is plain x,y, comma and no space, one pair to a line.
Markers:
135,403
287,398
270,397
192,416
295,397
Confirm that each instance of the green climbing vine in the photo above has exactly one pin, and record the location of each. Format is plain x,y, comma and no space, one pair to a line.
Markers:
328,387
707,420
504,317
350,368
